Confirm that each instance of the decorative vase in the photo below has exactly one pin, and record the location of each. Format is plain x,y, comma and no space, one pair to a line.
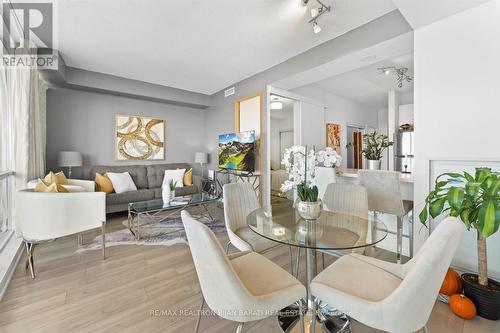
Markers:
487,301
172,195
165,194
374,164
309,210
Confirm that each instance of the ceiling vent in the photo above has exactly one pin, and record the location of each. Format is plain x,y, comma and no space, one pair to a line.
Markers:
229,92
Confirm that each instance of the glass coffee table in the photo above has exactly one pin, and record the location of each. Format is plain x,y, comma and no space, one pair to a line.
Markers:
158,211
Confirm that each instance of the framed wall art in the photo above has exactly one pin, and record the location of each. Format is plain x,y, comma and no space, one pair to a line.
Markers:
139,138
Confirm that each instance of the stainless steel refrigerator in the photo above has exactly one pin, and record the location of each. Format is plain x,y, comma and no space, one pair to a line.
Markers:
404,151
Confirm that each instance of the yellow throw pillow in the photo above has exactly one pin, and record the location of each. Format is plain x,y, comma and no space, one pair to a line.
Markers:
103,183
43,186
188,177
58,178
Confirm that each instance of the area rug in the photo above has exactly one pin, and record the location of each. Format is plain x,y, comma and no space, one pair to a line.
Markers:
168,232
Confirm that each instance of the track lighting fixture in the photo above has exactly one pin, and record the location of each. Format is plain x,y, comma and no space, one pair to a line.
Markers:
316,27
401,74
316,13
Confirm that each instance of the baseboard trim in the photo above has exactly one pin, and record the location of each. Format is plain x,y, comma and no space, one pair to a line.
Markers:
9,258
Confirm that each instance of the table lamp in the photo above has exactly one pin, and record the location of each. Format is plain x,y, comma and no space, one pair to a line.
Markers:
201,158
70,159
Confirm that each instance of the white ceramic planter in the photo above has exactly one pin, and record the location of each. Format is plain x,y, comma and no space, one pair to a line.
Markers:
165,194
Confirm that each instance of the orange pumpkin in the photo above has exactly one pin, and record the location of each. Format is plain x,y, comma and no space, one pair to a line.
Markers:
462,306
451,284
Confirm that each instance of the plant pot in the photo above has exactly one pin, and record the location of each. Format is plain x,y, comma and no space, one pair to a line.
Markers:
487,301
374,164
309,210
172,195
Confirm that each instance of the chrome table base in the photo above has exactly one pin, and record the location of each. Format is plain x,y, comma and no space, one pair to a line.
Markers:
327,321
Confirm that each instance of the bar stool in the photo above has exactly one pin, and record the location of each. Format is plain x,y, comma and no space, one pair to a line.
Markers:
384,196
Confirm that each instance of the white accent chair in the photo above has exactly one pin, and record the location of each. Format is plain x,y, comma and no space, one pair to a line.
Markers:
384,196
45,216
388,296
239,201
324,177
242,287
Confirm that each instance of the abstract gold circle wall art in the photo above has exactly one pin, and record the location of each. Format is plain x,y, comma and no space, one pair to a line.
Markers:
139,138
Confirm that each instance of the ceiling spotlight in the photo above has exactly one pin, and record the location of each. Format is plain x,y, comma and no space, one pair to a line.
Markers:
316,13
316,28
304,2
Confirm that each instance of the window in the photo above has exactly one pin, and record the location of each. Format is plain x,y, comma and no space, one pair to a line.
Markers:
6,175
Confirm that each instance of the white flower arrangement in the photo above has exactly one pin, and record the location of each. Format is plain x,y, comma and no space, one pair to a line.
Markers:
329,158
300,164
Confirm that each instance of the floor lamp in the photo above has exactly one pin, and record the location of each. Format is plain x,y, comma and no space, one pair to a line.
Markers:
200,158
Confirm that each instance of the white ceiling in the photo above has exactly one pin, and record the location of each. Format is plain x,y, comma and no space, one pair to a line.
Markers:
366,85
422,12
201,46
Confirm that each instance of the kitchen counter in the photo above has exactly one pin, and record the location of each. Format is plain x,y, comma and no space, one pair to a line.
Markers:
346,175
353,173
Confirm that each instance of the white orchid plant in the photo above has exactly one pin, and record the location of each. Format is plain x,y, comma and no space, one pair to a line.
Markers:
300,164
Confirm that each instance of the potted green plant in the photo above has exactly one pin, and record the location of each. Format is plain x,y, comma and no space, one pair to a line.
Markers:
476,201
375,144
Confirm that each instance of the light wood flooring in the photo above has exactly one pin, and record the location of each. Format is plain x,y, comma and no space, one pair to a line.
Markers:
79,292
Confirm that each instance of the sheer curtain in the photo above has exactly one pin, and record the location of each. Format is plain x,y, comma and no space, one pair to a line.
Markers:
5,152
26,105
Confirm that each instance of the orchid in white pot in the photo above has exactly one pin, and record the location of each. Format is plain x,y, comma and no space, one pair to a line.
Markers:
300,164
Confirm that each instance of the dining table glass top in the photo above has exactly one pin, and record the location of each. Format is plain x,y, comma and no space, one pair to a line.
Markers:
332,231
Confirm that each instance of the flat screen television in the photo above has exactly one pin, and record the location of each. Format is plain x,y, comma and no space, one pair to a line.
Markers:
236,151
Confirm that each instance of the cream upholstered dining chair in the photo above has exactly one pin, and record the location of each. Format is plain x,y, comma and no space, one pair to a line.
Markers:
389,296
349,199
384,196
239,201
242,287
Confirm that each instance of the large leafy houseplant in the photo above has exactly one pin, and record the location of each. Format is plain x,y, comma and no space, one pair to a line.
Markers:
375,144
475,200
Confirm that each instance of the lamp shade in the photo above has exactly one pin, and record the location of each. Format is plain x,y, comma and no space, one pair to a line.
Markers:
200,158
69,159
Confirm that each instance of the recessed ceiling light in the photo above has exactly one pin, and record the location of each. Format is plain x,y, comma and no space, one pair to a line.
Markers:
276,104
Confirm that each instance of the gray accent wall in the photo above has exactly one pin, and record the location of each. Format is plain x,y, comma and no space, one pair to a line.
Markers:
84,121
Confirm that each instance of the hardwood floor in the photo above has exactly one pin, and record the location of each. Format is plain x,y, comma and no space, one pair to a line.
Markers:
139,289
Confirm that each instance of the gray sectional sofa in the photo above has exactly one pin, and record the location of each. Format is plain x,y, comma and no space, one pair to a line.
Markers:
148,179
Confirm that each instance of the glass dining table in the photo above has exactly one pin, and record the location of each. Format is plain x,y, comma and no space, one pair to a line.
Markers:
340,232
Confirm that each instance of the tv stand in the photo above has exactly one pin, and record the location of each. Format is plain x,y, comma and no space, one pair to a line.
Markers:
226,176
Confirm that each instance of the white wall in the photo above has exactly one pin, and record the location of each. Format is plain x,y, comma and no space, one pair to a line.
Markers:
457,104
341,111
